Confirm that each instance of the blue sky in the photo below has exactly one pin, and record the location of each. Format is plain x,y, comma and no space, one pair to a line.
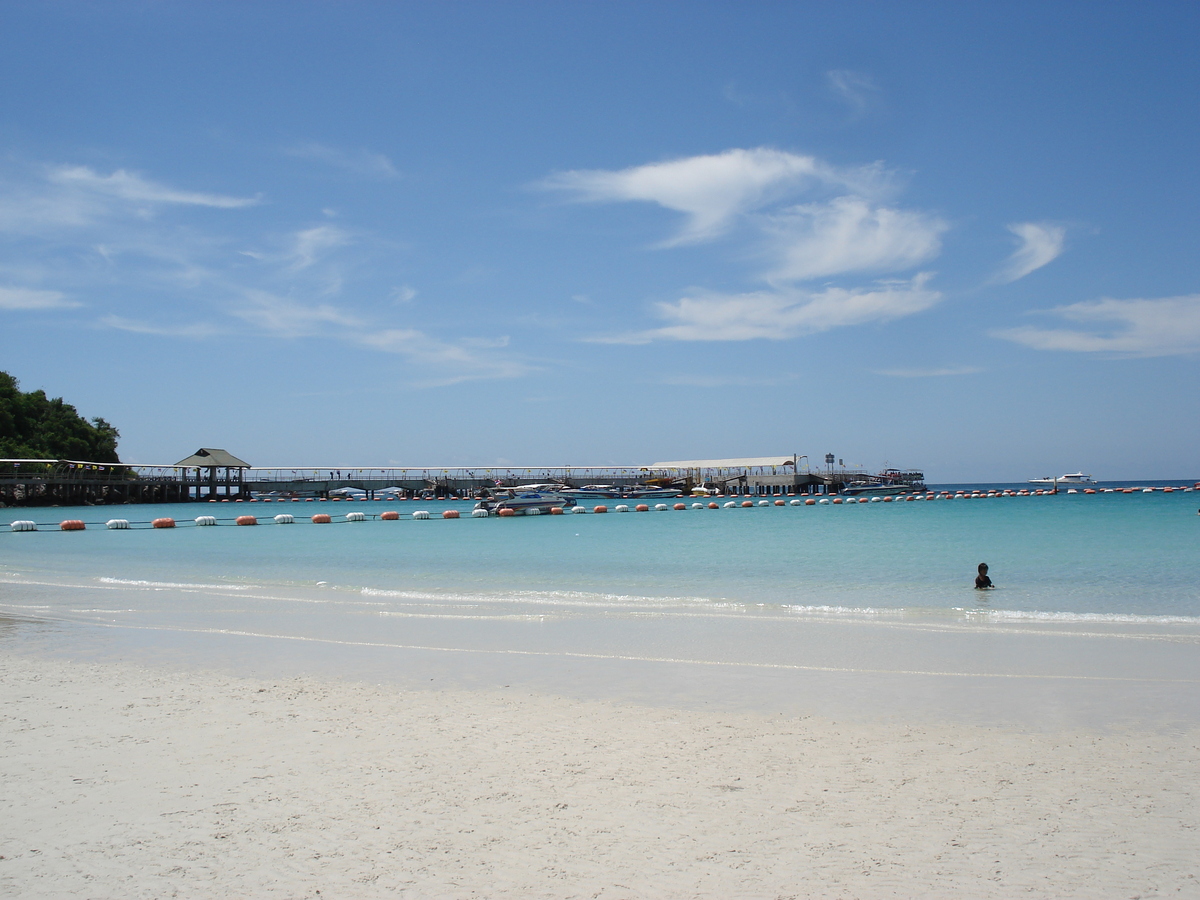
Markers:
955,236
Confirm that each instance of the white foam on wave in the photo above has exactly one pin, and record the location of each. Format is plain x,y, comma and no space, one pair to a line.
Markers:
856,611
548,598
1020,615
135,582
104,610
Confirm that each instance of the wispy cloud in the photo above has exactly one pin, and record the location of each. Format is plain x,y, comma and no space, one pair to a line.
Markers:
130,186
287,318
20,299
710,190
849,235
1168,326
356,162
846,228
181,277
856,89
947,372
782,314
193,330
311,243
447,363
1039,244
715,381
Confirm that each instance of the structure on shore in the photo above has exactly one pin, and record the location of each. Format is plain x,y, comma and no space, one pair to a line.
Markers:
212,473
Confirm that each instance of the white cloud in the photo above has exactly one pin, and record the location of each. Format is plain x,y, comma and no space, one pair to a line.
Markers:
847,229
929,373
17,298
282,317
311,243
783,314
857,89
357,162
404,294
1040,243
452,363
710,190
1168,326
849,235
197,330
133,187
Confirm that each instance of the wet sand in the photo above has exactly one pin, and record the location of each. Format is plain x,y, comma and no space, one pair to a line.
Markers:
129,781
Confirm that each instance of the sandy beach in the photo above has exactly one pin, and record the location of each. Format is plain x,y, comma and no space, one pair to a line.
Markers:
125,781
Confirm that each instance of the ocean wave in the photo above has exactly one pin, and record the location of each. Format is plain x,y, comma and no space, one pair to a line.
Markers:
1020,615
134,582
551,598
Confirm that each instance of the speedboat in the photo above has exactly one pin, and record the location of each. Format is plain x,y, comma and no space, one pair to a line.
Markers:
651,492
522,501
1076,478
856,488
593,492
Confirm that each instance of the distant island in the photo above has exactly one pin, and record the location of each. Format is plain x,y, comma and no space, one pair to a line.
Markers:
34,426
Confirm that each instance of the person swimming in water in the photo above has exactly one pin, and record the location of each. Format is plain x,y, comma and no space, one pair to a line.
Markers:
982,582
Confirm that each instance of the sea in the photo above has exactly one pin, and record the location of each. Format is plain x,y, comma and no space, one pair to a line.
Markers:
853,609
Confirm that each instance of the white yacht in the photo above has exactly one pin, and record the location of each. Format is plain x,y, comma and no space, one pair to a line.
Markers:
1076,478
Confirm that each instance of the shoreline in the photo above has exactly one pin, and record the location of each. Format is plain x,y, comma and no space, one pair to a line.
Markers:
144,781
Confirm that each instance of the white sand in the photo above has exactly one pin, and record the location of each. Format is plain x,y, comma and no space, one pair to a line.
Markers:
128,782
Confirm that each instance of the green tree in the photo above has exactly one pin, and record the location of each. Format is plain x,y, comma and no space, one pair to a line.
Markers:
33,426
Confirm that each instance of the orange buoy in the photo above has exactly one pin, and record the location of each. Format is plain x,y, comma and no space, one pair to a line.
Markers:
556,510
641,507
245,520
862,499
837,499
714,506
321,519
163,523
888,499
449,513
747,504
390,516
506,512
72,525
680,506
810,502
779,503
599,509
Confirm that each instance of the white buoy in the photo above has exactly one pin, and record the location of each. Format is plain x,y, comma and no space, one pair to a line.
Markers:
23,525
117,524
661,506
421,514
356,517
697,506
876,499
200,520
533,511
795,503
620,507
580,510
479,514
764,502
287,519
729,504
823,500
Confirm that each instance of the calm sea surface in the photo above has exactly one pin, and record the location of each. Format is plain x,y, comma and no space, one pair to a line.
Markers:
862,586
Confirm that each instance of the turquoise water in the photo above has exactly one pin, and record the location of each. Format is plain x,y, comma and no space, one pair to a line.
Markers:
881,588
1112,554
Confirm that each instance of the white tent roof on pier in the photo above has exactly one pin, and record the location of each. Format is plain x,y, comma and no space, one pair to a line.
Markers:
752,462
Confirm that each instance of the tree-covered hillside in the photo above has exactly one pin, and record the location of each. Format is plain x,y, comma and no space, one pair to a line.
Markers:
33,426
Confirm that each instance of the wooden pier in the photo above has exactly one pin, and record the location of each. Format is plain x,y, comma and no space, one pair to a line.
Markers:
212,474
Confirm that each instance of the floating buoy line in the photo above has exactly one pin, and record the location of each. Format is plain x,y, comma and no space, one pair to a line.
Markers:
391,515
